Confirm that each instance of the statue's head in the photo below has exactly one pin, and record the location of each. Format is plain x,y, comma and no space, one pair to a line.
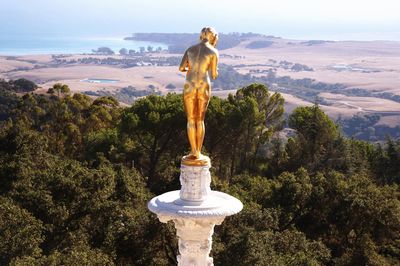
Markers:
209,34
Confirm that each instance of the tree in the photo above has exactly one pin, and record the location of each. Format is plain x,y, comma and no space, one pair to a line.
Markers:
142,49
170,86
241,125
123,51
106,101
132,52
60,89
156,124
21,233
150,48
103,51
23,85
316,134
76,174
314,125
65,89
60,211
385,162
51,91
257,235
102,113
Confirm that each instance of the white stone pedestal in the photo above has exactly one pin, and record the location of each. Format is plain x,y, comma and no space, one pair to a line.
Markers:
195,209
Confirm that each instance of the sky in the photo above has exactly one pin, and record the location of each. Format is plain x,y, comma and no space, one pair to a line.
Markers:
299,19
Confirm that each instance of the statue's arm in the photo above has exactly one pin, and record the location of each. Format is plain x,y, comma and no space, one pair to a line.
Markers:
214,66
184,66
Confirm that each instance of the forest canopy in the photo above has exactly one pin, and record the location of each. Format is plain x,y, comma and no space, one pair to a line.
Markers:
76,175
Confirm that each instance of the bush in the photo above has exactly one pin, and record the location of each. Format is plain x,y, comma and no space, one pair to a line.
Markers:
170,86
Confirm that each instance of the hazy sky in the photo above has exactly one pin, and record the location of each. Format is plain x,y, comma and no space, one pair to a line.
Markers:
324,19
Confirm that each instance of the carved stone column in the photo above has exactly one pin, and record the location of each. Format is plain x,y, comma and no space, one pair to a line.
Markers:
195,239
195,210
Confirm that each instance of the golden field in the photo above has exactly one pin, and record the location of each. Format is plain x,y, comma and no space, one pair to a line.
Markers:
372,66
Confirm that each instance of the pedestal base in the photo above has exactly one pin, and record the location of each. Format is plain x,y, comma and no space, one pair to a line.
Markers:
195,183
195,210
194,223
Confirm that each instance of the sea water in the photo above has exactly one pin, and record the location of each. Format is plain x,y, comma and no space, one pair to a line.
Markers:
96,80
31,45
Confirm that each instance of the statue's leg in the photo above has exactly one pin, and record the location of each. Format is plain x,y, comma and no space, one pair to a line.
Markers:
189,100
202,102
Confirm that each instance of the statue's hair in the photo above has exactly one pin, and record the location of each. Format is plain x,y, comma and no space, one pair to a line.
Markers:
205,35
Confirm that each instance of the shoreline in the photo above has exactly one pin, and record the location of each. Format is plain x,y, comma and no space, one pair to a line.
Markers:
26,46
83,45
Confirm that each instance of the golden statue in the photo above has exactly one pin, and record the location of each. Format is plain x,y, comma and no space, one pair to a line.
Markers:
198,61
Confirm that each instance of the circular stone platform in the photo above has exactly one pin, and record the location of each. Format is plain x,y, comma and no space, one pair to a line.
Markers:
217,204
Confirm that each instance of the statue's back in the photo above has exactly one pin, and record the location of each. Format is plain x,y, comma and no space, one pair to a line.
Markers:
200,57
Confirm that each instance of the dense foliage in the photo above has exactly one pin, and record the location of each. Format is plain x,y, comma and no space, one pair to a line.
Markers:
360,126
18,85
76,175
367,127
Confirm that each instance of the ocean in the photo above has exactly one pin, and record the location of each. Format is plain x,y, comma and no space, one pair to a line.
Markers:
32,45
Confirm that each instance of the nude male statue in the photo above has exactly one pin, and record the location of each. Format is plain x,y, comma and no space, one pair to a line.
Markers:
198,61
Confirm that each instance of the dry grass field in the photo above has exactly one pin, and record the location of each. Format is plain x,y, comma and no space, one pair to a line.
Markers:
382,56
372,66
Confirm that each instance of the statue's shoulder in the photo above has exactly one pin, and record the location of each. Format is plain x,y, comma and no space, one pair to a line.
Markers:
193,47
191,50
214,50
211,49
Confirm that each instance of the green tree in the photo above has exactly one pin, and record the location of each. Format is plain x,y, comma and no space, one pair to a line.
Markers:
385,162
123,51
21,234
156,124
239,126
59,89
104,51
316,134
23,85
74,183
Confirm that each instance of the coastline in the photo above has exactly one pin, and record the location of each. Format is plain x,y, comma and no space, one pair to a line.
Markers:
45,45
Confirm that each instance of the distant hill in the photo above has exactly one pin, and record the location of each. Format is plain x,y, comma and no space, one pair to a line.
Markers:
178,42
